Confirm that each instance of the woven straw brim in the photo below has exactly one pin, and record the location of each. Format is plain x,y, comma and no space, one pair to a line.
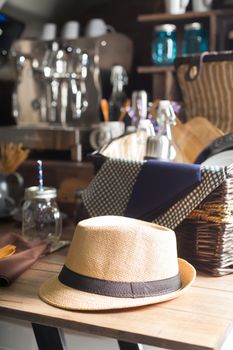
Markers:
57,294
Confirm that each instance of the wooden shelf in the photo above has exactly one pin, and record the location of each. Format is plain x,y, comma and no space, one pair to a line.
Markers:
155,69
164,83
161,17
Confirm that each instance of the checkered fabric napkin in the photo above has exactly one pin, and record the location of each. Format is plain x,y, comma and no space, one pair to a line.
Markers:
110,191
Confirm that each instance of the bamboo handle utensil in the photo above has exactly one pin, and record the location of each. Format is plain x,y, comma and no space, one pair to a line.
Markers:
105,109
124,110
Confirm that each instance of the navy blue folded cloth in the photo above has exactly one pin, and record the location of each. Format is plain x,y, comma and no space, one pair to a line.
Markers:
159,185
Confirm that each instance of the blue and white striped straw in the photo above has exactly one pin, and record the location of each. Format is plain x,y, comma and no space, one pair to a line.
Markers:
40,172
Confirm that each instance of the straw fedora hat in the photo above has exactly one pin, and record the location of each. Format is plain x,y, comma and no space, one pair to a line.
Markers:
117,262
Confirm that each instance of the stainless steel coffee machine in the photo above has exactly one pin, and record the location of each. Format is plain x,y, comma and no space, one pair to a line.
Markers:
59,87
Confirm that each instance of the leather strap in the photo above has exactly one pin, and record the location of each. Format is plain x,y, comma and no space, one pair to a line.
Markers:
195,66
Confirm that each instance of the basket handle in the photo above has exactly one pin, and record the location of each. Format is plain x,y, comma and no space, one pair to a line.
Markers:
195,67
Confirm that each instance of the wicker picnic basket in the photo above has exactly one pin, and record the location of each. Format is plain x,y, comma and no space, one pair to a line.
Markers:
205,237
202,218
206,87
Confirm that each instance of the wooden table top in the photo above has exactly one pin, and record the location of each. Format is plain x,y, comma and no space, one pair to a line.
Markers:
199,319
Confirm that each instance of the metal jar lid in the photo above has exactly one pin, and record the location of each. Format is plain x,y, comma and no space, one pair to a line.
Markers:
193,26
139,103
158,147
119,72
168,28
35,193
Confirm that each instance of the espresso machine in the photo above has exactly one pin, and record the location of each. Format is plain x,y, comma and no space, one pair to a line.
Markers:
56,101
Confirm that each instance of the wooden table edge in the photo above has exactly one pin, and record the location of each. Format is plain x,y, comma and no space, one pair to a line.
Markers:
109,332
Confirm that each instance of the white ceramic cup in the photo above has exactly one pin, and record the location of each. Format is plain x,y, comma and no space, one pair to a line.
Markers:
201,5
49,31
96,27
70,30
176,6
105,133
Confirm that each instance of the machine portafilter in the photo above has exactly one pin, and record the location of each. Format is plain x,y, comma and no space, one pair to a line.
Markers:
19,61
77,78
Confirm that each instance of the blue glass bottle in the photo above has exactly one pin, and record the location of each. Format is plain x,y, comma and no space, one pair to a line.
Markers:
164,44
194,40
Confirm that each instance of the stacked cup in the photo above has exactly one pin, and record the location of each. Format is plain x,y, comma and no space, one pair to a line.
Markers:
70,30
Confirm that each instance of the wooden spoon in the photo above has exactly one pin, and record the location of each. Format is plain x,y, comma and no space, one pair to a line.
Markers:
193,136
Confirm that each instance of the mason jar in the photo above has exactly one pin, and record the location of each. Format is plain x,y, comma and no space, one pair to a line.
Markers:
194,40
164,44
41,218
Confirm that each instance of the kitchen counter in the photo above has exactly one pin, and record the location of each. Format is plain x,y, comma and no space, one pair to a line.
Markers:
200,319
